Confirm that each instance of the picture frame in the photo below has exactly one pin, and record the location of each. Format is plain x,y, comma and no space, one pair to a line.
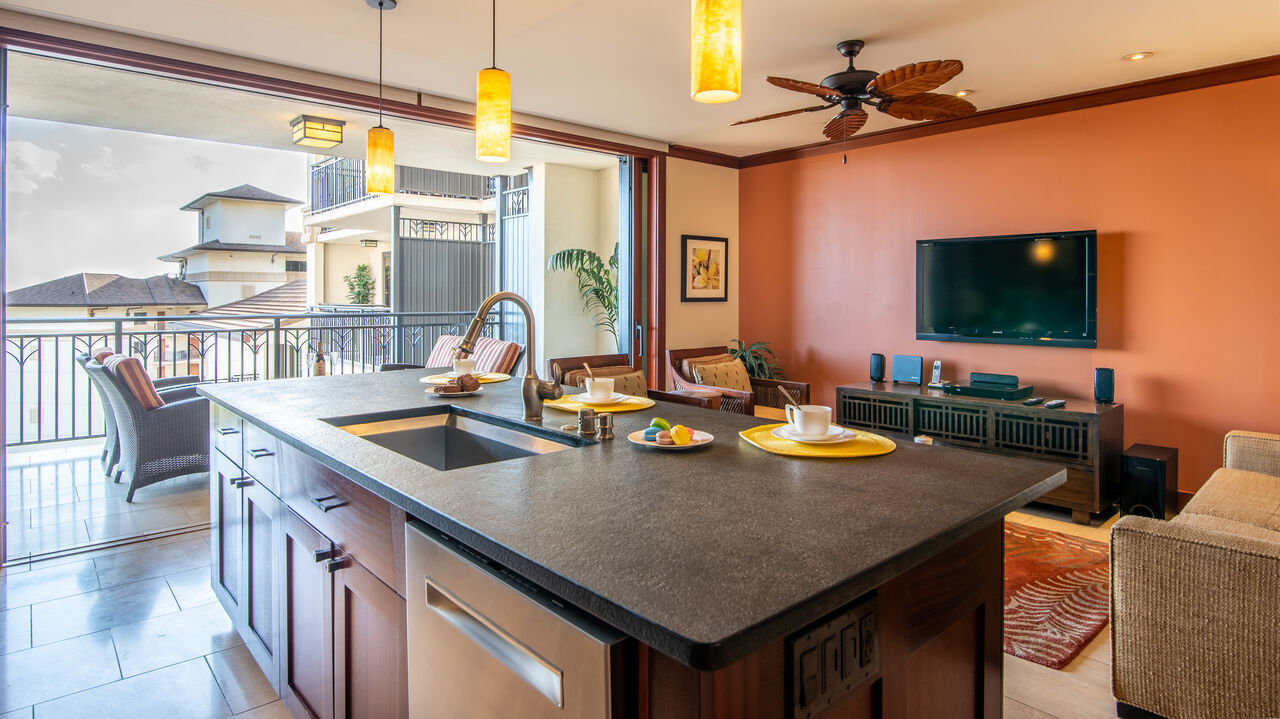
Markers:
703,273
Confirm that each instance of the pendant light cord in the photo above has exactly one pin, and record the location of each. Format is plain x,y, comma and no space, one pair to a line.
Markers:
493,60
380,8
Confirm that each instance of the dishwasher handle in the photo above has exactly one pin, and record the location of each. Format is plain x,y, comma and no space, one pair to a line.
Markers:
540,674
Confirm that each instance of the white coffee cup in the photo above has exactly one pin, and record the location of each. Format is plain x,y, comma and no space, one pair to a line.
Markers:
809,420
600,388
464,365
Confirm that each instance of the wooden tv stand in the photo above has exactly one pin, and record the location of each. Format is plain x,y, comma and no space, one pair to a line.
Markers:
1086,437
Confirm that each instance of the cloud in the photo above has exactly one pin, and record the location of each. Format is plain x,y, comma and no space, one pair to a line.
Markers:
103,166
29,164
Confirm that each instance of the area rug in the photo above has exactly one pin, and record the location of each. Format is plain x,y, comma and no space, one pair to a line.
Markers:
1057,594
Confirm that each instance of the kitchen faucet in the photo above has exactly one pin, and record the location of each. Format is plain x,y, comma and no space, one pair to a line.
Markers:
533,390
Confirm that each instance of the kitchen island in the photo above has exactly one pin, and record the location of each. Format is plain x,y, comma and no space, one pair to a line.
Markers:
716,563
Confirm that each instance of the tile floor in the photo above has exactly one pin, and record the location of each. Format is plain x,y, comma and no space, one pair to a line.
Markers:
132,631
58,498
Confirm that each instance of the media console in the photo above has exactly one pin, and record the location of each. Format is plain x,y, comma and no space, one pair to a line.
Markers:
1086,437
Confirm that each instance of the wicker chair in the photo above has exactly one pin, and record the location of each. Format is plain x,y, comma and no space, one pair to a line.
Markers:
764,392
111,447
560,366
159,444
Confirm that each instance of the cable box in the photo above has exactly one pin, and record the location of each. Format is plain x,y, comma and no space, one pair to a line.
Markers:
990,390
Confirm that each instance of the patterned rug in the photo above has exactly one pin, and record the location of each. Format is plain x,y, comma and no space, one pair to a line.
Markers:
1057,594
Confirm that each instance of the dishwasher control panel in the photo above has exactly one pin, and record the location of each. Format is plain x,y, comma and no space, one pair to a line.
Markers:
832,658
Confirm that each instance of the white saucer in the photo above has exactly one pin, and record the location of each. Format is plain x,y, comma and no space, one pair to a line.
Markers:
614,398
451,395
697,439
835,434
451,374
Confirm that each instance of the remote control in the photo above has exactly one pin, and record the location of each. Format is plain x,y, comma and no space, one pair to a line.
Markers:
1032,400
1055,403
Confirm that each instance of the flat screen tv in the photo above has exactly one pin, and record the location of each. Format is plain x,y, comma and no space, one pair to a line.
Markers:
1013,289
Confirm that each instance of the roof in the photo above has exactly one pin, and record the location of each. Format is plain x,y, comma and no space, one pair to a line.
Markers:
102,290
247,193
293,244
287,299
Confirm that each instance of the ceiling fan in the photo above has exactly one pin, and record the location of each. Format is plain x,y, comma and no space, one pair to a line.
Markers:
902,93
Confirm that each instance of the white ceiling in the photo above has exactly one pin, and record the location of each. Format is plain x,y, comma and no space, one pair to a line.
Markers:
49,89
623,66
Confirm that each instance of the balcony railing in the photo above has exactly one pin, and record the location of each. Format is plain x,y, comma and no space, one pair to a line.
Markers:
340,180
48,397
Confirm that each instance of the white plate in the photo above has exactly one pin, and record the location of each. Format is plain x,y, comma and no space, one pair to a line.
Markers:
451,374
451,395
614,398
698,439
835,434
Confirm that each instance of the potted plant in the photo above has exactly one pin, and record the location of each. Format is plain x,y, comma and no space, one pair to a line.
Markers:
597,283
360,285
759,360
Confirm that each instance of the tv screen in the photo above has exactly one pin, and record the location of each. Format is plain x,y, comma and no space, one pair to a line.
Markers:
1013,289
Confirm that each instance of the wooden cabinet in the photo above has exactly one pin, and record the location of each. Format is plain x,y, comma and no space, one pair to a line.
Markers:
325,621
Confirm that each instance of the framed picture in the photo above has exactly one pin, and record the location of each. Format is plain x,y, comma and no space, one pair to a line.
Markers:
703,274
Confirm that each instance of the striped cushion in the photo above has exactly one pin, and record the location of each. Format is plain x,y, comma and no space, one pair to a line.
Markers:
490,355
101,355
130,372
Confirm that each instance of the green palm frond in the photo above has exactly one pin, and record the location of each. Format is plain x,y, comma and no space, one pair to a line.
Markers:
759,360
597,284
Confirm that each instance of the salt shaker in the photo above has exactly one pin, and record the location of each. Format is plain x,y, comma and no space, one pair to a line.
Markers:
606,425
587,421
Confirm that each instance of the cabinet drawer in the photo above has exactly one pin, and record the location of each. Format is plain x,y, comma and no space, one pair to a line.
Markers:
355,519
262,456
227,431
1079,492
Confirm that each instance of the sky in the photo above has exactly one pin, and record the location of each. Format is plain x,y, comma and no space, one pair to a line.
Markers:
91,199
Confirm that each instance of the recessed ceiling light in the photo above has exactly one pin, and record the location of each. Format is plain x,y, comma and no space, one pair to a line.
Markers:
1136,56
962,93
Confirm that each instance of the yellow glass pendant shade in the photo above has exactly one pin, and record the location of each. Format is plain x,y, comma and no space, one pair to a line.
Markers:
493,115
716,50
379,166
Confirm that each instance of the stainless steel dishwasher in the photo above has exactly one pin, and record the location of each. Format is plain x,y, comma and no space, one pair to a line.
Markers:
484,643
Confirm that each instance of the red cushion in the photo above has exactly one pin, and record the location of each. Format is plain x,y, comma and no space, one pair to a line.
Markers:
490,355
132,374
101,355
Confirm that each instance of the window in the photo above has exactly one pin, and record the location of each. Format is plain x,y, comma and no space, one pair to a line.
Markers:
295,265
139,314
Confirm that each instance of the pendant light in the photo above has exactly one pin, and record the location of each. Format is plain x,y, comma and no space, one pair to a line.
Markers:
716,51
379,166
493,107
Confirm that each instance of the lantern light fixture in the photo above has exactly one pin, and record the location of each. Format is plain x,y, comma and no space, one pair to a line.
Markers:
312,131
493,107
379,166
716,51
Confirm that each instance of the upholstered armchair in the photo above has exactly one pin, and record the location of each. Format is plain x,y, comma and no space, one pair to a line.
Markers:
1194,611
712,369
171,440
111,446
571,371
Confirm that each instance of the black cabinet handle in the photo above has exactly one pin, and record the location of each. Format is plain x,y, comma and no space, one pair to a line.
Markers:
334,565
242,482
260,453
325,504
324,554
224,431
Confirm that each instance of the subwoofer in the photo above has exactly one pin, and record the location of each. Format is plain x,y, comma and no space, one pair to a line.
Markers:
877,367
1149,481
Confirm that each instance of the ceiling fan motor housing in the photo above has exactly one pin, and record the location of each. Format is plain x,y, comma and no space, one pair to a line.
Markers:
852,83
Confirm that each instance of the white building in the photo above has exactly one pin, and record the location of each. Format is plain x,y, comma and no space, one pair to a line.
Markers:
243,248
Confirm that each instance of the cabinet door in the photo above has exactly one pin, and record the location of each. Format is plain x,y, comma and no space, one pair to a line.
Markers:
306,589
369,666
262,558
226,534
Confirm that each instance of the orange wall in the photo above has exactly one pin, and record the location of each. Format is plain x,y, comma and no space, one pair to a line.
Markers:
1183,189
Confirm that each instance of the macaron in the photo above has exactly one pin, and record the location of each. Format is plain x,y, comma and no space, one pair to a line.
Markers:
651,434
664,437
681,435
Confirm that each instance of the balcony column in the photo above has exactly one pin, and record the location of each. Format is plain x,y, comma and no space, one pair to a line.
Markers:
397,286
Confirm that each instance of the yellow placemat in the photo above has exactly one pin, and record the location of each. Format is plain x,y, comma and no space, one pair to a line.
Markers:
485,378
629,404
865,444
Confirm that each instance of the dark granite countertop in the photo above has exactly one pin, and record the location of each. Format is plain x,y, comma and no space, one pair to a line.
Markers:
706,555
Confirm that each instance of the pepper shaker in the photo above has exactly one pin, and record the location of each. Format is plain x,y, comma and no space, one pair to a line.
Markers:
587,421
606,425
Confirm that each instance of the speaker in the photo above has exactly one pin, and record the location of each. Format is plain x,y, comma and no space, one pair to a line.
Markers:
1104,385
1149,481
907,369
877,367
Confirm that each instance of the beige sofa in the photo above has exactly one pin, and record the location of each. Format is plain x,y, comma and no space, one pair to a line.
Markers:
1195,601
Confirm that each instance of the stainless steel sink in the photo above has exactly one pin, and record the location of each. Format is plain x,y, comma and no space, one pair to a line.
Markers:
446,438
